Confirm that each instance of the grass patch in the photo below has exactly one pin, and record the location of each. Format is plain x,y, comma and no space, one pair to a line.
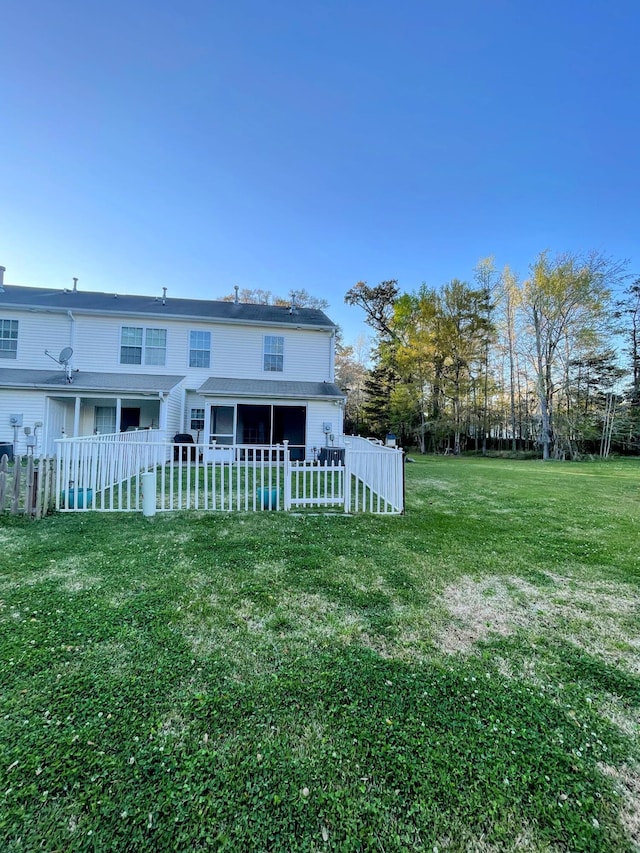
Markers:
466,677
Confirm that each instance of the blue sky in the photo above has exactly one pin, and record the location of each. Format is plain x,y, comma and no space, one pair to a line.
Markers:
283,144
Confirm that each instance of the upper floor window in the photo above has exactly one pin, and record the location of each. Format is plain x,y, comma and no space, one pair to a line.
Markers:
135,340
131,345
199,349
274,353
8,338
155,346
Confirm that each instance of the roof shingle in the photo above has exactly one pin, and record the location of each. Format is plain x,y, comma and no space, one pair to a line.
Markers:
111,303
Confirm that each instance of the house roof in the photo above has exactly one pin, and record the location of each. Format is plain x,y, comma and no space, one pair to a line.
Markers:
124,383
88,302
217,386
87,381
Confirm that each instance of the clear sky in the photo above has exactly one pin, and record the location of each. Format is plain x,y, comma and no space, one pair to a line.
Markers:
278,144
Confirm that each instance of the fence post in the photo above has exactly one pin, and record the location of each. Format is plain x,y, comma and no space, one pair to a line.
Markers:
347,478
46,487
4,468
148,493
17,477
32,488
287,477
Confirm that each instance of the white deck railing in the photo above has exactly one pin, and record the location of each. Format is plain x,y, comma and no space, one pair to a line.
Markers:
105,473
375,481
90,465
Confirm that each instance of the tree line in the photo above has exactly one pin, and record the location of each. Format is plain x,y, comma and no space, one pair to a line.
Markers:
548,364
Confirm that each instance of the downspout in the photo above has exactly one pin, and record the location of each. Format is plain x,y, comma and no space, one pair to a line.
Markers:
183,409
72,341
162,419
78,400
76,417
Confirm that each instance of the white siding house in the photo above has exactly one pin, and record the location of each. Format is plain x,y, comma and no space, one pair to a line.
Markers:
76,363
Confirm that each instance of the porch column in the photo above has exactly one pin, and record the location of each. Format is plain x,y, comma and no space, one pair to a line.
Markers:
118,413
162,418
207,422
76,418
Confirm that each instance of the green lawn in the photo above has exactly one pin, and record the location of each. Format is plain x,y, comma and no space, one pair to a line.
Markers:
466,677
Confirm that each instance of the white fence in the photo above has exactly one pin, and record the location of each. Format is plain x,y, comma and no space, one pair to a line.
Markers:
104,473
376,481
316,484
104,468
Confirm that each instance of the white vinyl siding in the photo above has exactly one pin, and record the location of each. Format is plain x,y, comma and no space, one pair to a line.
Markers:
8,338
29,404
274,353
37,333
54,420
237,350
194,413
199,349
319,413
175,412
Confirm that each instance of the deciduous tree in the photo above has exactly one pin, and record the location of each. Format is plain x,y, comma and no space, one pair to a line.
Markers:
566,299
256,296
486,278
351,375
377,303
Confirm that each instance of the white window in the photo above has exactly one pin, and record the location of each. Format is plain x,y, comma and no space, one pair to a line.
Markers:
197,419
105,420
8,338
155,346
131,345
274,353
134,340
199,349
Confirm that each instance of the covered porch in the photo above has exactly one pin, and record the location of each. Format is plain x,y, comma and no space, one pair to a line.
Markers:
103,404
267,413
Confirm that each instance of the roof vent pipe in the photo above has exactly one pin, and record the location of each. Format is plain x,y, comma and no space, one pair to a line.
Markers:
2,272
164,295
236,288
75,285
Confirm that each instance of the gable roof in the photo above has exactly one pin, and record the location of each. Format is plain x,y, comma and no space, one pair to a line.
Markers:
217,386
88,302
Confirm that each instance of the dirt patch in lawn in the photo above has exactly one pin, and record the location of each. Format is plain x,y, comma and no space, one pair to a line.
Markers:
595,617
591,615
72,572
476,609
627,782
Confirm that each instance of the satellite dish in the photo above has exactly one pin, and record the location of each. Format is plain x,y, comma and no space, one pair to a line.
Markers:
64,358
